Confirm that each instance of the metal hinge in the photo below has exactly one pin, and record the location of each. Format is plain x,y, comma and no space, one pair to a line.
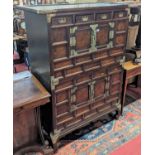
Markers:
93,38
54,82
112,24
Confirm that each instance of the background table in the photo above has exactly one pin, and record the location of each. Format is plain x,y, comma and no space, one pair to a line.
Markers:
29,94
130,70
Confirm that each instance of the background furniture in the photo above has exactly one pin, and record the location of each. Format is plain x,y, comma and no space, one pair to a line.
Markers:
134,33
28,96
130,70
20,51
76,52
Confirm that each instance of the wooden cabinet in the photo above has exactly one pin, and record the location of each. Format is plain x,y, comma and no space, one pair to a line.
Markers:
75,51
28,96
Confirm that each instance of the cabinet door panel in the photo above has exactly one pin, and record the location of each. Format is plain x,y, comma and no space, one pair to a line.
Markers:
102,38
82,95
83,43
120,39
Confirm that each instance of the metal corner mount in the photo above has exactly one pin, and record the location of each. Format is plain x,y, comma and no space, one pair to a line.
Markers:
122,60
118,105
49,17
55,136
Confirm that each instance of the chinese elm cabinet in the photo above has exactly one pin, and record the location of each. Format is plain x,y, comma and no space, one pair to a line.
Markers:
76,51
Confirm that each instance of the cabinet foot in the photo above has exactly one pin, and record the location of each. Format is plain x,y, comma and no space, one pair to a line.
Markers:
118,114
55,138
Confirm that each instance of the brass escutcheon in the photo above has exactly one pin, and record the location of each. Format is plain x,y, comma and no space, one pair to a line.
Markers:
62,20
104,16
85,18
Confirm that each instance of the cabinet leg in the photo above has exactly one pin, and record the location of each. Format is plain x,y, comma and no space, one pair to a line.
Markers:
125,82
118,114
55,138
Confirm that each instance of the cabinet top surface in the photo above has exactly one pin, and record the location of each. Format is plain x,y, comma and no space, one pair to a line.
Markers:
27,89
43,9
129,65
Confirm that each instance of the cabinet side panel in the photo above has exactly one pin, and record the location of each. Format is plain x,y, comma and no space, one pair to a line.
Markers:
37,33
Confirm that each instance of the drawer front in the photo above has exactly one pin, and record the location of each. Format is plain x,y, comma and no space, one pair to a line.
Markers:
62,20
134,72
75,67
120,14
84,18
103,16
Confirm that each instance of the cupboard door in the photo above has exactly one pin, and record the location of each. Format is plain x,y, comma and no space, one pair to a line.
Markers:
89,38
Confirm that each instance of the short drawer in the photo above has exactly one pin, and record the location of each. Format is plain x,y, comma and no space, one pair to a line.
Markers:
120,14
134,72
84,18
103,16
62,20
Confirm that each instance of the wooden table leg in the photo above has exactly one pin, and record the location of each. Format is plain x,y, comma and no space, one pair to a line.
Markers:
125,82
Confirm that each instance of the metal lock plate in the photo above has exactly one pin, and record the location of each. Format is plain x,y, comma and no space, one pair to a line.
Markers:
93,38
72,41
91,90
111,34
